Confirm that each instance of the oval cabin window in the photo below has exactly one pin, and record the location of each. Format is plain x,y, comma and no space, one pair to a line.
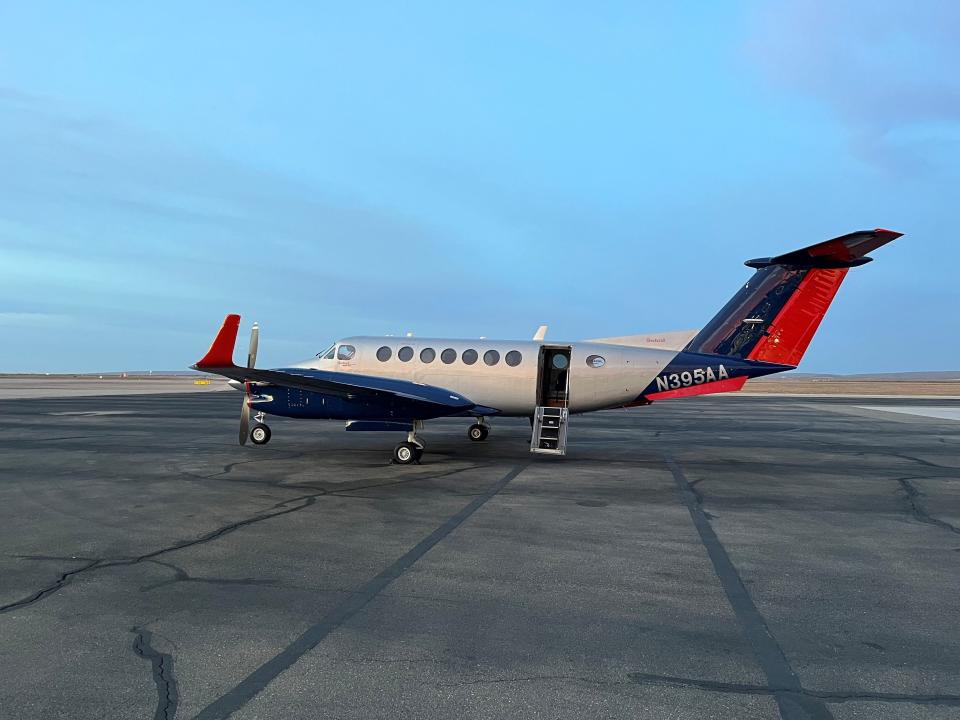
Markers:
405,353
448,356
469,357
513,358
384,353
428,355
595,361
491,357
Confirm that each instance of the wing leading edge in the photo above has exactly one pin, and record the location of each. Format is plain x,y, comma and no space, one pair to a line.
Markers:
434,401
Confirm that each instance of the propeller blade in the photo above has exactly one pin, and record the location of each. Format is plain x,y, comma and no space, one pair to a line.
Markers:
254,341
244,421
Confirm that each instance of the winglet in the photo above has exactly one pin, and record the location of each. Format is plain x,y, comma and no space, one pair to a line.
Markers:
220,354
541,333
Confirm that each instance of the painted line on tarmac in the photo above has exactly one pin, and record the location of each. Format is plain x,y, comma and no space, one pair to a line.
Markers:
248,688
783,682
939,413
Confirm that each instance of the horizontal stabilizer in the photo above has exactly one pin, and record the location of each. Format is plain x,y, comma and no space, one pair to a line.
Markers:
841,252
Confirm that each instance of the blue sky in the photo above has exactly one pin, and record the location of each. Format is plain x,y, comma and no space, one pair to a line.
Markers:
336,169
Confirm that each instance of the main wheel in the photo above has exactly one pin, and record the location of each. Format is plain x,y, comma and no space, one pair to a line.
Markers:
406,453
477,432
260,435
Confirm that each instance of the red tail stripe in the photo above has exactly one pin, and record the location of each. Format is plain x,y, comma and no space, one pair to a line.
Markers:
792,330
728,385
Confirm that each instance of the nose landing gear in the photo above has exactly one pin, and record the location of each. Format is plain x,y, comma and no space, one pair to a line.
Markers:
260,435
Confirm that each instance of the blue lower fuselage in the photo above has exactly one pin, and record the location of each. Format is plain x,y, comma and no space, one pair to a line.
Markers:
296,403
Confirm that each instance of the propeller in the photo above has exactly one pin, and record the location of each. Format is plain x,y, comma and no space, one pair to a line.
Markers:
245,408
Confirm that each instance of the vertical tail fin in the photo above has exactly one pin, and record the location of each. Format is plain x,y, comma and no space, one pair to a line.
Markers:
775,315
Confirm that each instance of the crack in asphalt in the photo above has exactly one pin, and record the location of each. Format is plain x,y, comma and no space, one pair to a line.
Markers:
830,697
528,678
228,468
163,677
68,437
921,461
253,684
207,537
181,575
917,509
304,500
49,589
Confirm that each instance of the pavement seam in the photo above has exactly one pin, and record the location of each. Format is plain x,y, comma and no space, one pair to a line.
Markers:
254,683
830,697
791,700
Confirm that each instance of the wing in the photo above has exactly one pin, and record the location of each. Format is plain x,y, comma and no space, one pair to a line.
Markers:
433,400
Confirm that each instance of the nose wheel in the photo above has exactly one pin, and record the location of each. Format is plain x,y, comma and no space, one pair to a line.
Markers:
260,435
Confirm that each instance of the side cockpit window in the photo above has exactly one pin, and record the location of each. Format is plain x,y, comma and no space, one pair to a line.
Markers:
346,352
327,354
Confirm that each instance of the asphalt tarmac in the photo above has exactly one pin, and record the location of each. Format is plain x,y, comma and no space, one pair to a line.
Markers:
702,558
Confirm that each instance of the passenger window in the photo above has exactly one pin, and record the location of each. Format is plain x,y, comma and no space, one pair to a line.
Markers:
405,353
448,356
491,357
384,353
469,357
346,352
428,355
513,358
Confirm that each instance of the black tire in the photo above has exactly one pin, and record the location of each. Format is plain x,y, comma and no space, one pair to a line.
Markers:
405,453
419,453
477,432
260,435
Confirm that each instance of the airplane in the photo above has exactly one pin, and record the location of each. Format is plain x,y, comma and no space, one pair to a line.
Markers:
398,383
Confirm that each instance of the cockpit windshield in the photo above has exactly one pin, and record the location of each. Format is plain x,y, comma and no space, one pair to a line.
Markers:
328,353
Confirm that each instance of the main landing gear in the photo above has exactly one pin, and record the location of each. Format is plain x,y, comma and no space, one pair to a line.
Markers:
409,452
478,431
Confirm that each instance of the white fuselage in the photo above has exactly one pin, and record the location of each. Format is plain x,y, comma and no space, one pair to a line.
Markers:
512,389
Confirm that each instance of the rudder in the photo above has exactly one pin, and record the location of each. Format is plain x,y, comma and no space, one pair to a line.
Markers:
774,316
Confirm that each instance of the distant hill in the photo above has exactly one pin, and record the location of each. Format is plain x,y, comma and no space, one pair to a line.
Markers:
138,374
917,376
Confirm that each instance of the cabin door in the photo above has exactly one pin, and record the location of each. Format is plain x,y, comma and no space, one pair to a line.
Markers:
553,377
